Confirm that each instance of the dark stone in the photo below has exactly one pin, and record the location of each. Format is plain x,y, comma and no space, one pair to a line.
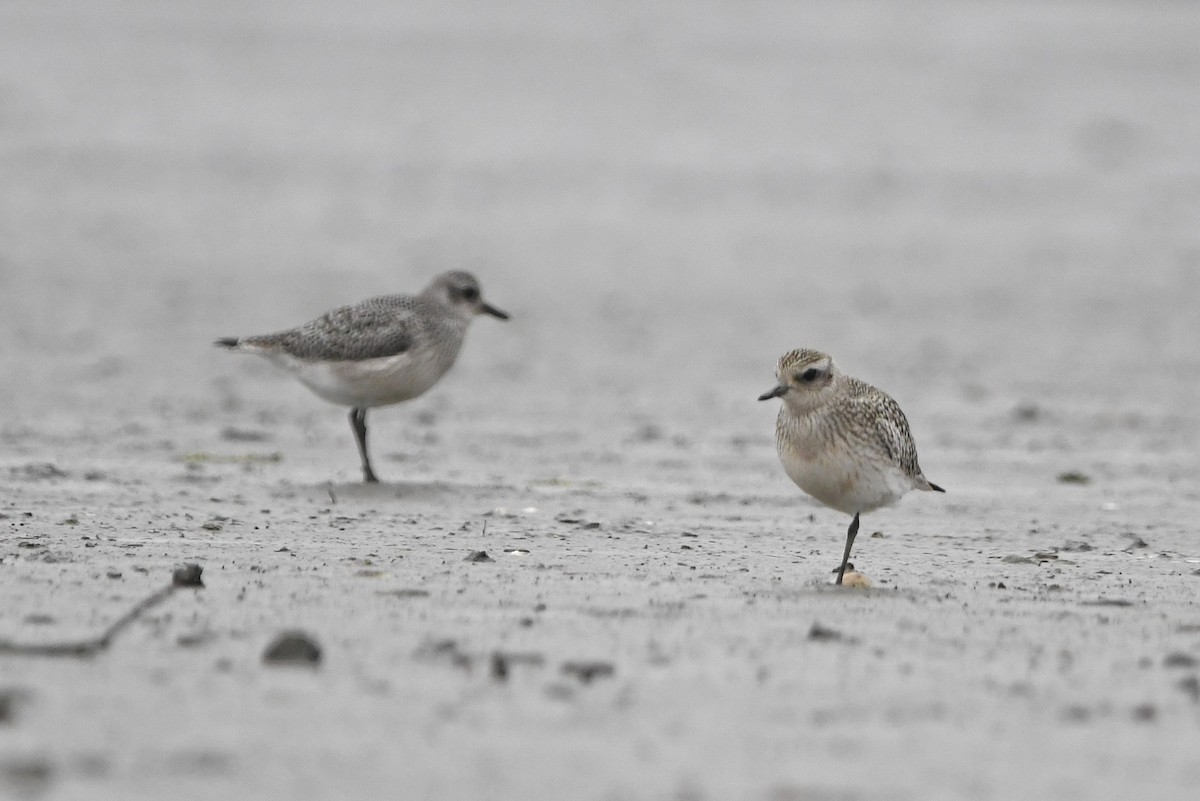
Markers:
586,671
498,666
293,648
824,634
1178,659
187,575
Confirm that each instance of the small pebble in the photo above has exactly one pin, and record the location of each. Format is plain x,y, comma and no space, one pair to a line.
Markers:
187,575
293,648
1179,659
856,580
586,671
498,666
823,633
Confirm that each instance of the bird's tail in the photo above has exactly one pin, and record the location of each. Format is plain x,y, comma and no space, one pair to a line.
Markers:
933,486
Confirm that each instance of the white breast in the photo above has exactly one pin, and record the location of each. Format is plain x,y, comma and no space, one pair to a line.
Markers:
837,473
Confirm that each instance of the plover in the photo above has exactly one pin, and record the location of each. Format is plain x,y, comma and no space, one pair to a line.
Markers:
381,351
841,440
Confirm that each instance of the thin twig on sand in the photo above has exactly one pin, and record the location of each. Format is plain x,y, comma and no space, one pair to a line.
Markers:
186,576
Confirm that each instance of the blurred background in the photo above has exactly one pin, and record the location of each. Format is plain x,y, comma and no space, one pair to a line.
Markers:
989,209
975,205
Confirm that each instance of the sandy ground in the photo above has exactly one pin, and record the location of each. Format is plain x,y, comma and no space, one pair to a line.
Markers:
987,209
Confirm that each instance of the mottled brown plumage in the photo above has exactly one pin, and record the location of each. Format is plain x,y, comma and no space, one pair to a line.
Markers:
843,441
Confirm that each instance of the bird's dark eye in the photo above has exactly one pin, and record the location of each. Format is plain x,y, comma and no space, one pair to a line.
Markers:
808,375
469,293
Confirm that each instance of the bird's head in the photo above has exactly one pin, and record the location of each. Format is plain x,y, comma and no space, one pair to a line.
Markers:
803,378
460,291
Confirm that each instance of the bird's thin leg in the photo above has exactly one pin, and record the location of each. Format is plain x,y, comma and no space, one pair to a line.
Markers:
850,535
358,422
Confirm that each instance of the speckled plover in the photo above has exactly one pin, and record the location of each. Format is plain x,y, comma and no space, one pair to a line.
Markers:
841,440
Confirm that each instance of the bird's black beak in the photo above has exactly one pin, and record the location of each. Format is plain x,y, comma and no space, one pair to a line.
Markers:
487,308
774,393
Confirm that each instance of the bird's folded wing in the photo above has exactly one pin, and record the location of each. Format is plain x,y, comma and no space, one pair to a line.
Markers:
370,330
894,437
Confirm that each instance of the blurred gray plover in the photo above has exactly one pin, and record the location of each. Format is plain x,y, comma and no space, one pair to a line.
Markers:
841,440
381,351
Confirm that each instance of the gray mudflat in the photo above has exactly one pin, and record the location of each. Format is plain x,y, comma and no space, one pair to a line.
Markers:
989,210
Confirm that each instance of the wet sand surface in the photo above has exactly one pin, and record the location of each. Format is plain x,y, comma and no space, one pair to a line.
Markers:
988,211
